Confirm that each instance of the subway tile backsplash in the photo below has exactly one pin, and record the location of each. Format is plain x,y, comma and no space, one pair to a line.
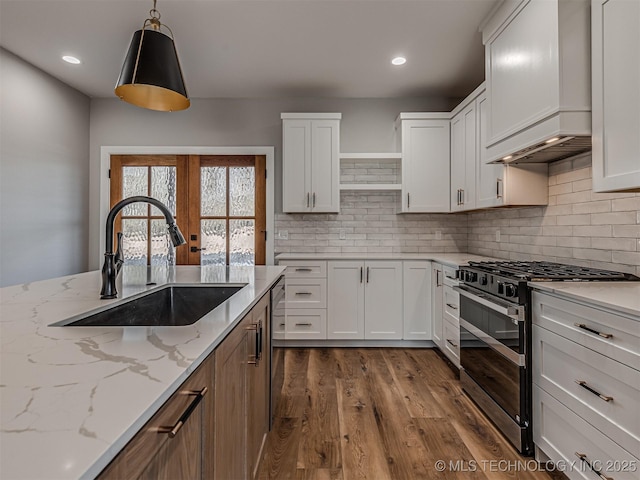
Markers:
578,226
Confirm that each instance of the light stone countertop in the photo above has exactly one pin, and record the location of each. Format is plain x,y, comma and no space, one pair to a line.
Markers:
620,297
72,397
451,259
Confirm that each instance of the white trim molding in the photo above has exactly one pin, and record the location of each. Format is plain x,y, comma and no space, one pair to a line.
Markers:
105,161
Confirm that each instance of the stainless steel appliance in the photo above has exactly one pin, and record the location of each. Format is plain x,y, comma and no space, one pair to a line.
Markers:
277,353
495,337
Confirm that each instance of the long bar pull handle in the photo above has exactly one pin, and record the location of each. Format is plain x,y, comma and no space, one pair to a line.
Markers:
303,293
438,282
259,340
584,385
173,430
303,270
408,200
451,305
256,356
585,459
591,330
361,273
451,343
308,200
367,274
498,183
303,324
462,196
314,200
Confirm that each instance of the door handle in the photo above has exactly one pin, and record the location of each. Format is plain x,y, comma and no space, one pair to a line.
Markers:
196,249
314,200
367,274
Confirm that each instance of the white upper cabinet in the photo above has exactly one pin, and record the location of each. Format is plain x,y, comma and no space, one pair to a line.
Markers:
311,162
616,94
425,146
464,156
500,185
537,66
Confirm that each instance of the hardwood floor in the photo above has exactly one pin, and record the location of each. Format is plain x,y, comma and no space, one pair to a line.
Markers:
382,414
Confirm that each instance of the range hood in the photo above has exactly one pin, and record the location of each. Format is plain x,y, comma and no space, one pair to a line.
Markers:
538,68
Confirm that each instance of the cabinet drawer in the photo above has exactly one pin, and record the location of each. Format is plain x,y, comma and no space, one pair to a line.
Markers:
310,324
622,341
451,337
451,305
306,292
618,417
304,269
561,434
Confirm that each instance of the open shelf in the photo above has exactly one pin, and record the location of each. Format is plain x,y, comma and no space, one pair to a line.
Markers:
371,156
370,186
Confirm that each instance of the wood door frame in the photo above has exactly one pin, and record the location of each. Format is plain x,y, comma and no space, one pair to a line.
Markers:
97,229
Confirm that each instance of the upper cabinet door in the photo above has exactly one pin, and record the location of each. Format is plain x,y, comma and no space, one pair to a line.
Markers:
296,165
616,95
490,176
464,154
425,165
325,166
311,162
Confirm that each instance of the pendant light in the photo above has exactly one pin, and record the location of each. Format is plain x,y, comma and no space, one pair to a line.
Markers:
151,76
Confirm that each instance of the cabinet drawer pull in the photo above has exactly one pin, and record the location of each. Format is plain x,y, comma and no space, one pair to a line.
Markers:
303,270
282,324
304,293
584,385
450,305
585,459
591,330
303,324
172,431
451,343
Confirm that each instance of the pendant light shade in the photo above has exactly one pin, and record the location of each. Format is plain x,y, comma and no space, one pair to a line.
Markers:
151,76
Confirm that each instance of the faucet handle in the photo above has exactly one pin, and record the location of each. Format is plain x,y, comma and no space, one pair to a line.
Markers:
119,255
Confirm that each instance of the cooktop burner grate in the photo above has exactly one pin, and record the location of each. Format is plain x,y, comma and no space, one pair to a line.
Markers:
549,271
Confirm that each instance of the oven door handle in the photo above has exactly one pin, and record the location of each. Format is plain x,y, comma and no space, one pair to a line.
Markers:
505,351
516,312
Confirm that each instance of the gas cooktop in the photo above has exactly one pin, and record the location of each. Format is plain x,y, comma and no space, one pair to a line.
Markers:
549,271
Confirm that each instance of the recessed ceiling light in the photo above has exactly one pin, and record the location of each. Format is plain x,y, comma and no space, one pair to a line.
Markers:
71,59
508,157
551,140
399,61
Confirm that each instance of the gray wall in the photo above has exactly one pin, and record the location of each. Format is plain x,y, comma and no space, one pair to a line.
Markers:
44,174
367,125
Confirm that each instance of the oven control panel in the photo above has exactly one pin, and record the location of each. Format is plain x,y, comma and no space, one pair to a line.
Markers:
511,289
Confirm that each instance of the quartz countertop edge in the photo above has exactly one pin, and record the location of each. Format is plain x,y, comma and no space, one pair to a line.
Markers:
73,397
451,259
617,297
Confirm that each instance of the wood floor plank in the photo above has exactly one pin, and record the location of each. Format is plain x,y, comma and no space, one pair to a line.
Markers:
362,451
444,444
280,457
319,474
296,365
320,433
415,392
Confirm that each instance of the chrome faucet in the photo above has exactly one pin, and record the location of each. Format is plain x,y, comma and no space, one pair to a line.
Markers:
113,261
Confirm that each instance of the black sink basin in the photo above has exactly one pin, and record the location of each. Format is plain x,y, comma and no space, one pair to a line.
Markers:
174,305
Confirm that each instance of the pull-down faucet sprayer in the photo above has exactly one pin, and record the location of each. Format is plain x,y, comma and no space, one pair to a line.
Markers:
113,261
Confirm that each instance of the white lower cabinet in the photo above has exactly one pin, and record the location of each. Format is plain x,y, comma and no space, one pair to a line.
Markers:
586,397
365,300
416,281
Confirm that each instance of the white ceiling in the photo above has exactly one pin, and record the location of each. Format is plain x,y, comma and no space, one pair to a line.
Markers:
263,48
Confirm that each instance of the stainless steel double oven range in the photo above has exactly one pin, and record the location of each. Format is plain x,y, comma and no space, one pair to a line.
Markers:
495,337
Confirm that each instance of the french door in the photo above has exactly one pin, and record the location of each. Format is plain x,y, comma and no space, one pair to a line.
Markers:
218,202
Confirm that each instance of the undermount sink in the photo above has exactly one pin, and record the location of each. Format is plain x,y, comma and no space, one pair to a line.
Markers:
173,305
